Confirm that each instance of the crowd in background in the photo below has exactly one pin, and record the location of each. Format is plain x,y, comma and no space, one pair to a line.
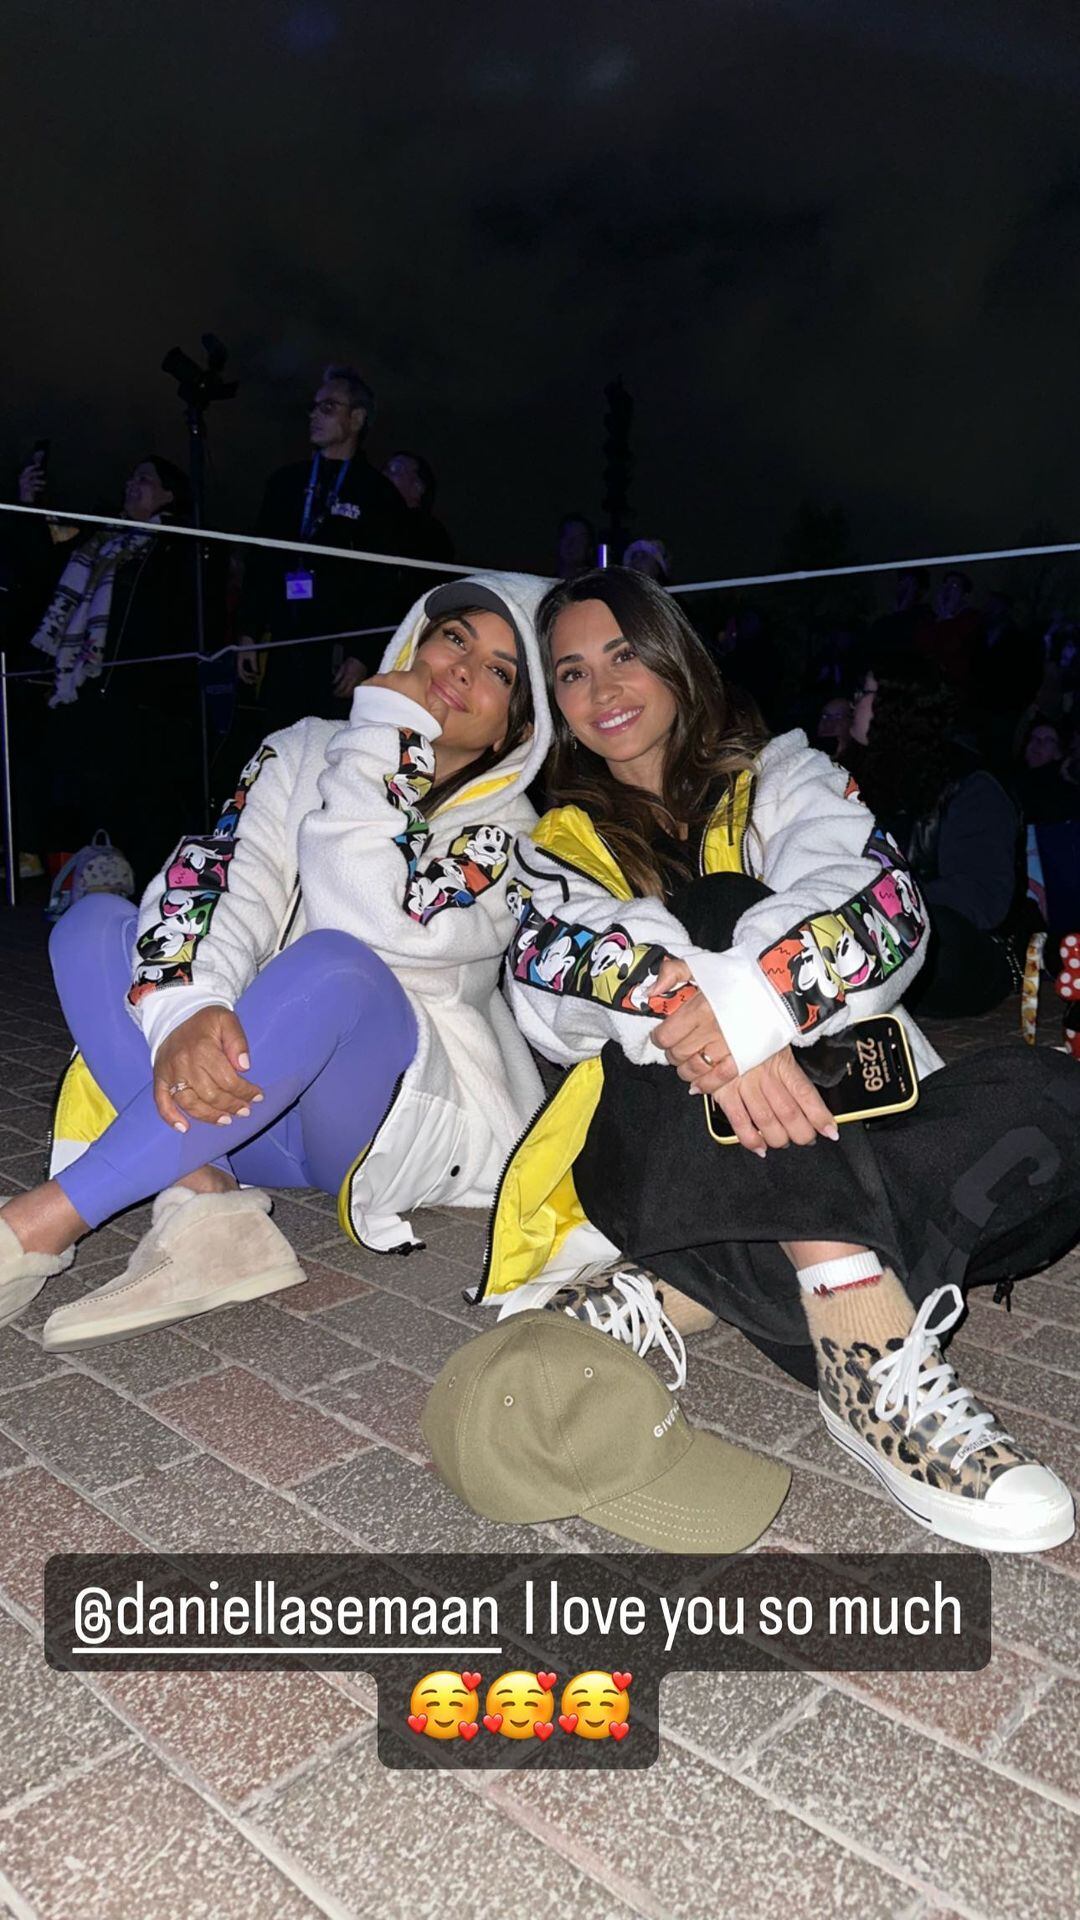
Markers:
961,725
957,713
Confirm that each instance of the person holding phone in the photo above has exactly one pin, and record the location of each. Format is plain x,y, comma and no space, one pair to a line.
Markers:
705,911
34,477
105,616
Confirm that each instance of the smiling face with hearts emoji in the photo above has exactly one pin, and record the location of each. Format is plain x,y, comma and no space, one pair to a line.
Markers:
596,1706
521,1706
444,1705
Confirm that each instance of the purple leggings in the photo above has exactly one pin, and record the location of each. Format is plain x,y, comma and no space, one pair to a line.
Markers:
329,1030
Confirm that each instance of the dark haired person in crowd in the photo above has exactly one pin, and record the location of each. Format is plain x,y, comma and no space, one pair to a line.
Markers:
747,657
1059,688
697,911
951,639
957,827
576,546
415,481
1047,779
336,498
1006,673
120,745
910,613
651,557
833,730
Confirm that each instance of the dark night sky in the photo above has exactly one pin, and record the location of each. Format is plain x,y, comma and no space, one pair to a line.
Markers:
833,249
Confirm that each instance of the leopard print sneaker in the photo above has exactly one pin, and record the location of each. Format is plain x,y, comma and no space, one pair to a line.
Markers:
625,1303
937,1450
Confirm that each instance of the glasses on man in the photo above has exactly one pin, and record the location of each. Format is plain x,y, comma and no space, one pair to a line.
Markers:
326,406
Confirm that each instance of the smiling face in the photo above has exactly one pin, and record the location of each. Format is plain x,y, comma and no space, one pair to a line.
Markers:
1043,746
598,1704
473,662
447,1702
523,1703
611,701
144,495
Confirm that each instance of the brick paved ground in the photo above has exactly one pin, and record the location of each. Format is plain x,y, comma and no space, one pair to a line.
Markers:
293,1424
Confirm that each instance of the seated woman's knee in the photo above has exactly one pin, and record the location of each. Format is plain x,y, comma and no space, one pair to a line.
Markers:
94,918
328,947
333,952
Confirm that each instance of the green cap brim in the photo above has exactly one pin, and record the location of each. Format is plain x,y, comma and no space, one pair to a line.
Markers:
715,1499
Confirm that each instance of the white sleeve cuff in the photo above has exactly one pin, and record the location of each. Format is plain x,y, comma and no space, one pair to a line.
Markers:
160,1013
386,707
749,1013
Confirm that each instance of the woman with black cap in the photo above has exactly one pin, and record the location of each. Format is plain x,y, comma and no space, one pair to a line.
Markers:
319,975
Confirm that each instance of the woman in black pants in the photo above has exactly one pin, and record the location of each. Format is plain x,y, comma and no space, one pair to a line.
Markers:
706,911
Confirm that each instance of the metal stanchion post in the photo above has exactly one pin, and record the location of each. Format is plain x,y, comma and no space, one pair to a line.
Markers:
199,387
11,878
196,420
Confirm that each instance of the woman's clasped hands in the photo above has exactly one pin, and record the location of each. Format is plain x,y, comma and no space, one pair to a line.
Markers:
771,1105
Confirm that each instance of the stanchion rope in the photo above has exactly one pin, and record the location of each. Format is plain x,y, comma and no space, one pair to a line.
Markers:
443,567
234,646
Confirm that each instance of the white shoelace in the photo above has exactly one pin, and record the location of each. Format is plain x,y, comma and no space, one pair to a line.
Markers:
630,1311
908,1385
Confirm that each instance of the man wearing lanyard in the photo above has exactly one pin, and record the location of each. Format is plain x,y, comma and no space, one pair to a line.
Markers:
335,499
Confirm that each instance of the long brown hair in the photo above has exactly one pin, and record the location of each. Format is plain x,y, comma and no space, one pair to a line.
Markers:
519,717
714,737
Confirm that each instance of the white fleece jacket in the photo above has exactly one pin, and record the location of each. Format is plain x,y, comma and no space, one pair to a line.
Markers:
324,831
841,937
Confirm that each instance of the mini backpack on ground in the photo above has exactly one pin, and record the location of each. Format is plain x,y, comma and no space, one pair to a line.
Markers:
97,868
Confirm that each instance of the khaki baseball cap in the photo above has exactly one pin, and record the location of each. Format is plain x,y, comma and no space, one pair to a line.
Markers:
542,1417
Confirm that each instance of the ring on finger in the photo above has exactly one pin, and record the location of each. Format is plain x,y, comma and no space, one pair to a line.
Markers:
179,1086
707,1057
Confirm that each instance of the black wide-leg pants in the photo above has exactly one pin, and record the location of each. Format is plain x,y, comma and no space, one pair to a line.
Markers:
979,1182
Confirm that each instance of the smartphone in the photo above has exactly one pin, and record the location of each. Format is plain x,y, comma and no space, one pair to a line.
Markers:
879,1078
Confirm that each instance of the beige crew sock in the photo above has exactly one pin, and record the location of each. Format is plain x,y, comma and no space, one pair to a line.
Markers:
875,1311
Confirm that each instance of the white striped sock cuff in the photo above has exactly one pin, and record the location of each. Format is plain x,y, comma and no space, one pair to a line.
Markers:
846,1271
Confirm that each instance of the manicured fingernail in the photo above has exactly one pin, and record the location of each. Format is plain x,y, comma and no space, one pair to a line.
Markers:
760,1151
179,1126
243,1062
244,1113
224,1119
832,1133
695,1089
256,1098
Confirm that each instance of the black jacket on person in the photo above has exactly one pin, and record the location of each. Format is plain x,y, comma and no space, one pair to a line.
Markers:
1046,796
367,514
966,848
126,754
152,612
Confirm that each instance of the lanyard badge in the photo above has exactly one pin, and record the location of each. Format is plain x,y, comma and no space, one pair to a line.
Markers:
309,523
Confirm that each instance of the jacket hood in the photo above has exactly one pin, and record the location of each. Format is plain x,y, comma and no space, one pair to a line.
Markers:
520,594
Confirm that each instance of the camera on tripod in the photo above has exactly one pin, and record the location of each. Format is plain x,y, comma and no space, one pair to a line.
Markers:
199,386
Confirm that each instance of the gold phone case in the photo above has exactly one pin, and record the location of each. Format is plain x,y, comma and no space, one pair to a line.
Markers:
875,1061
